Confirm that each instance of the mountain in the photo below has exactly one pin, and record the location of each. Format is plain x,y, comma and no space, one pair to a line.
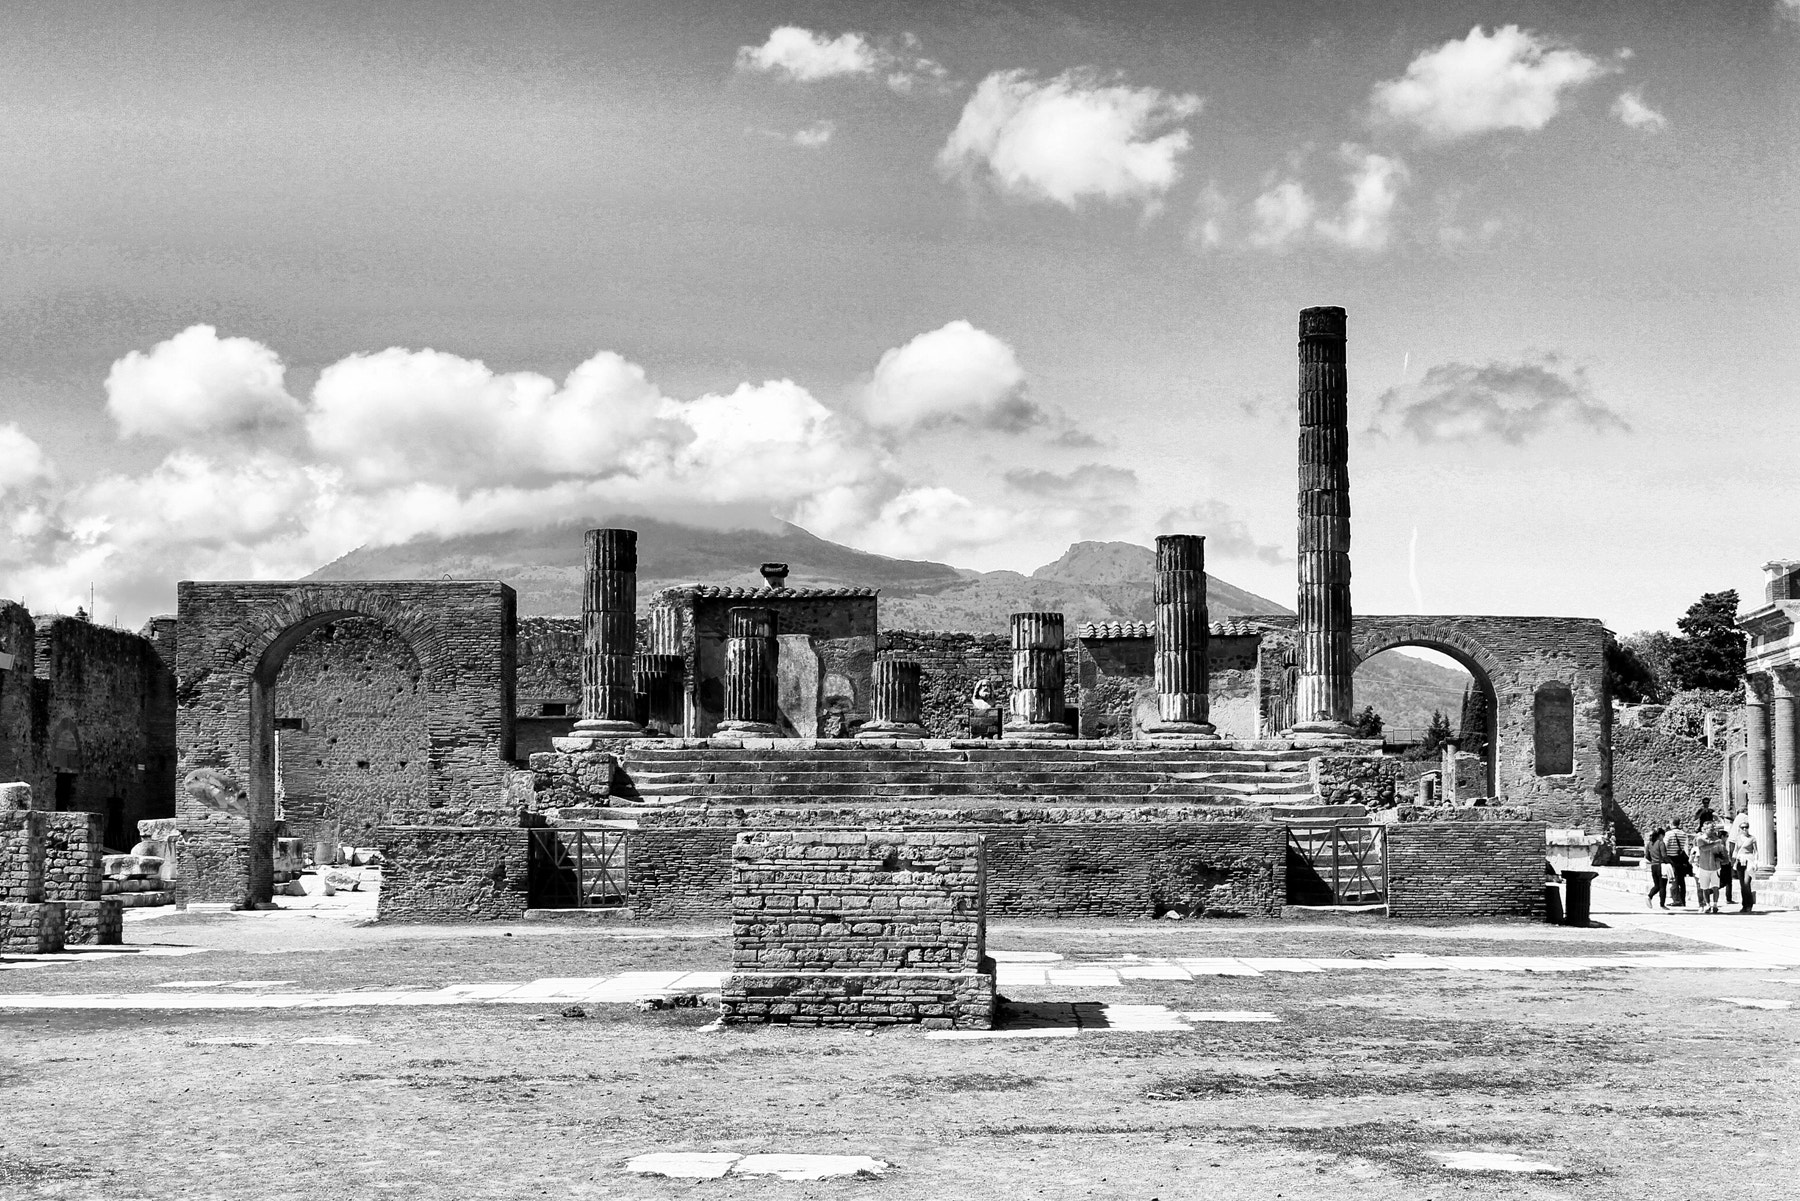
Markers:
1405,690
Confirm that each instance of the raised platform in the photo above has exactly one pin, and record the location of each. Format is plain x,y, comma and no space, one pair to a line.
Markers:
934,1000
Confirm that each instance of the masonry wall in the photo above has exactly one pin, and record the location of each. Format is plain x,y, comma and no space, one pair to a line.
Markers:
21,856
443,874
1117,685
1658,776
21,732
71,856
1444,869
950,664
839,623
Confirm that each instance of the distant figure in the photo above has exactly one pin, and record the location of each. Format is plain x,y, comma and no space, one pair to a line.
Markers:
984,715
1656,858
1743,861
1676,843
1710,862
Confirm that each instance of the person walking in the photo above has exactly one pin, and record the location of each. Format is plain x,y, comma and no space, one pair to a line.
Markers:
1743,861
1656,858
1710,861
1676,843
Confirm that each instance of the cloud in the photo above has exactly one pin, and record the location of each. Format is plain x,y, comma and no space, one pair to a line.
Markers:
804,56
955,375
198,382
814,136
22,461
1497,402
1227,535
1286,215
1090,481
1070,140
1509,79
1631,109
1212,209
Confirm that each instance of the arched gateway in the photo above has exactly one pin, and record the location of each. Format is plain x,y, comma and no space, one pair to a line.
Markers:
232,639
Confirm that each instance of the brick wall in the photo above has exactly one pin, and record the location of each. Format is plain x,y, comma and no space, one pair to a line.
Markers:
1658,776
71,856
1453,869
857,901
448,874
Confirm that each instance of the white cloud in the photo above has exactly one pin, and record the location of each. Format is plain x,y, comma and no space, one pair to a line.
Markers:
1070,139
814,136
198,382
807,57
1631,109
1365,222
1212,209
1509,79
22,461
955,375
1284,215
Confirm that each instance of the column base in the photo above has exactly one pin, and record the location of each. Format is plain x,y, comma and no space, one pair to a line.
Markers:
1180,729
874,731
1322,731
588,735
749,729
1046,729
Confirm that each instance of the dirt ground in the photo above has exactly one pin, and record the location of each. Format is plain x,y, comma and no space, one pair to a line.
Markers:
1632,1082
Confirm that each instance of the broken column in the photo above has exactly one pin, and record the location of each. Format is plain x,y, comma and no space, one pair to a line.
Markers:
750,686
608,637
1181,638
658,683
896,700
1037,677
1323,693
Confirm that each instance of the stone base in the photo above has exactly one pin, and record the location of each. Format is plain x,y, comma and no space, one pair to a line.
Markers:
1047,729
94,923
749,729
31,927
595,735
1308,733
875,730
934,1000
1180,729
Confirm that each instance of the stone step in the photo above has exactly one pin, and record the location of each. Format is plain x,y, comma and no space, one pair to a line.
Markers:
852,804
637,767
808,791
853,779
976,753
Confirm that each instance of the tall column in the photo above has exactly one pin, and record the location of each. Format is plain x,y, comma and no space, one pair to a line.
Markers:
1181,638
750,654
1037,677
896,700
608,636
1323,694
658,684
1756,761
1787,775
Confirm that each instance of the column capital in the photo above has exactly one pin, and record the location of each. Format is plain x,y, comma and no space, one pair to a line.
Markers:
1756,687
1784,682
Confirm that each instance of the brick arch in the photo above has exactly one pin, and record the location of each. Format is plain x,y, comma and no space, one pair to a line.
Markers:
1370,638
232,639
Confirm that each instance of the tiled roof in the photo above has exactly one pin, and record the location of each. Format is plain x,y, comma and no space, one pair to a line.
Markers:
1102,630
714,592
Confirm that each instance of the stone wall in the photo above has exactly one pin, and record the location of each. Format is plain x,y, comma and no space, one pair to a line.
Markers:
1658,776
233,639
445,874
34,928
1461,869
1117,682
21,856
21,732
71,857
1370,780
950,664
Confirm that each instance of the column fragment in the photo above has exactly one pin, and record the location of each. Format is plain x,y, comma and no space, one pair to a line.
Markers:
750,688
896,700
1323,693
1181,638
608,636
1786,738
1037,677
658,680
1756,748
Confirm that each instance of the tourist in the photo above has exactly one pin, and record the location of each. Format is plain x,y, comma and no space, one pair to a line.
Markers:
1656,857
1743,861
1710,861
1675,845
1728,876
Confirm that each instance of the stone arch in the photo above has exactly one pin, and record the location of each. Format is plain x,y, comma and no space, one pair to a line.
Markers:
1483,665
231,643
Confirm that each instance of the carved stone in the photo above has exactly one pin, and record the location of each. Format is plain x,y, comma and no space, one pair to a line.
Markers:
752,696
609,636
896,700
1037,683
1181,639
1323,695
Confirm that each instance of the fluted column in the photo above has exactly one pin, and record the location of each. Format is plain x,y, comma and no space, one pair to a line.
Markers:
1037,677
1756,758
608,636
1786,738
658,684
750,691
896,700
1323,694
1181,639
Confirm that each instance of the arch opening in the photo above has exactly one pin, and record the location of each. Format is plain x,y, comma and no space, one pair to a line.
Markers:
1438,710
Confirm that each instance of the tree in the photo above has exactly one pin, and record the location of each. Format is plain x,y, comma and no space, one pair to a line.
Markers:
1472,728
1709,653
1438,734
1367,723
1637,667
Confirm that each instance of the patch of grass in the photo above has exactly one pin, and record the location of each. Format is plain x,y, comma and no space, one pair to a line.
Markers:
1307,1086
16,1169
971,1082
1404,1147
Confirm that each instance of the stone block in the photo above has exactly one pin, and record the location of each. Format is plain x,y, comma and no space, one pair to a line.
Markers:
98,923
31,927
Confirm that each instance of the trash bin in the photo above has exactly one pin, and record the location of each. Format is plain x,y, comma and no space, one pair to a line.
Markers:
1553,906
1578,888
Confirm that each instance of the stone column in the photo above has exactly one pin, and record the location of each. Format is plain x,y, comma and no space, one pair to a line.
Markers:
609,636
750,692
1323,696
1181,638
1756,761
896,700
1037,677
658,684
1786,737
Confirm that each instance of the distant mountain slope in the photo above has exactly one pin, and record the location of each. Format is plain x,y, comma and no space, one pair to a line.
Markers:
1405,690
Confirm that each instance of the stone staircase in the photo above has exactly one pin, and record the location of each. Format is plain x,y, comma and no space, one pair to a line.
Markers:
958,774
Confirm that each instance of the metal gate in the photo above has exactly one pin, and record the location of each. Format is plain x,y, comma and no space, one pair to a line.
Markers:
578,869
1336,865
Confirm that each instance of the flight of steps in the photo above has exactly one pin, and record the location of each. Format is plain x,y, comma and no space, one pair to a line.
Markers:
969,774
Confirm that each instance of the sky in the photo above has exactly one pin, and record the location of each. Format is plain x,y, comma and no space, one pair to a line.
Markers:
961,282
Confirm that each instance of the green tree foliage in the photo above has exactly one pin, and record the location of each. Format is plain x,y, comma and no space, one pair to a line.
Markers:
1472,728
1438,734
1637,667
1709,653
1367,723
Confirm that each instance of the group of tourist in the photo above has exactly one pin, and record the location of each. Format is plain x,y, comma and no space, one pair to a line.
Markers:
1714,856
